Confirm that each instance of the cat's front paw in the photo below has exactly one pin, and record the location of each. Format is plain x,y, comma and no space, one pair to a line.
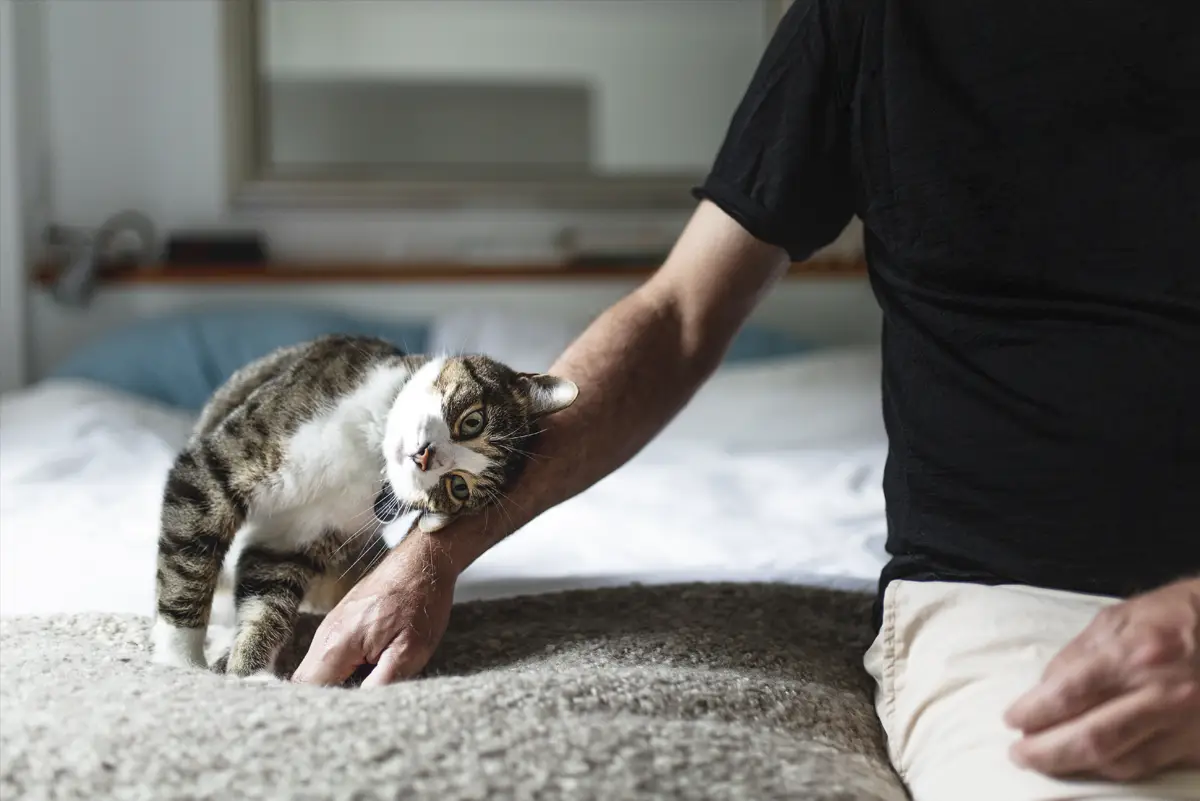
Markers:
244,672
173,646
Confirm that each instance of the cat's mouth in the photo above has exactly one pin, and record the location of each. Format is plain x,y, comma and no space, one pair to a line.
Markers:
389,508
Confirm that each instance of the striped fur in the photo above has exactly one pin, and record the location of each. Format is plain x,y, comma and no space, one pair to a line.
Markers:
286,461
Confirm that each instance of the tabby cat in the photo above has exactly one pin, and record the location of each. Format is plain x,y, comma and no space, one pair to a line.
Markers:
304,455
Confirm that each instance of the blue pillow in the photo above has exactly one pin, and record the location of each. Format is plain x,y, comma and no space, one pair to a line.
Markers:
754,342
180,360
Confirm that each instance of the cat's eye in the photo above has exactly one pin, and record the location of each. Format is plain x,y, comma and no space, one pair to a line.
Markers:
458,487
472,424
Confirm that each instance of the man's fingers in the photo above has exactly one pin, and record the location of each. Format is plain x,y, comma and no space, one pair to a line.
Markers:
403,659
1071,689
386,672
323,669
1100,737
1176,747
329,664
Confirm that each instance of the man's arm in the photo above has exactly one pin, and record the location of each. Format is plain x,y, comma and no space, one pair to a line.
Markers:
636,366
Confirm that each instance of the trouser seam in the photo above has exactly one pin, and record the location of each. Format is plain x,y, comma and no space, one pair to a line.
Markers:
890,680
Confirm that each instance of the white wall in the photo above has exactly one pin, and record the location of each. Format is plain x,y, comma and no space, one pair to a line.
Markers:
666,76
23,202
134,95
136,121
135,105
33,121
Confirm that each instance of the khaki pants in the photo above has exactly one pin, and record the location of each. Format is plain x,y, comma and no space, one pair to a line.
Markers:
948,661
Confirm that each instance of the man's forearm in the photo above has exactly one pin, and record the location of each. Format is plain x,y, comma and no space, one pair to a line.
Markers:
635,373
636,366
636,369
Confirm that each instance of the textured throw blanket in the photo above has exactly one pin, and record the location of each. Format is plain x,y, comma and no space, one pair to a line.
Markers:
705,692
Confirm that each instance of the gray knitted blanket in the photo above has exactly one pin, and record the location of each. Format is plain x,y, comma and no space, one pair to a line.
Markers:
693,691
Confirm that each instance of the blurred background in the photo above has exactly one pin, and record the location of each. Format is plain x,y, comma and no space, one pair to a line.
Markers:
380,158
187,184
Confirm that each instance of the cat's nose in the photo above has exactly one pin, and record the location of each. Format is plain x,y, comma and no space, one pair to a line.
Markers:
423,457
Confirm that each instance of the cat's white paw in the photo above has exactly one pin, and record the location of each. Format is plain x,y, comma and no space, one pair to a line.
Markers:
177,647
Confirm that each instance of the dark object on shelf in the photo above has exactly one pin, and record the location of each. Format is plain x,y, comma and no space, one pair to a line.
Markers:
215,248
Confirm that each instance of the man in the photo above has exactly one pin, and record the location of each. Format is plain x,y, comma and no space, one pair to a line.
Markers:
1029,181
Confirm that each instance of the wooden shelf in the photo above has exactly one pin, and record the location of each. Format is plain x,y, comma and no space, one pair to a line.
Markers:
403,273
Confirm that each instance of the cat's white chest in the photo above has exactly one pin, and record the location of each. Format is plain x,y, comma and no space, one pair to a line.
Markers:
328,482
331,472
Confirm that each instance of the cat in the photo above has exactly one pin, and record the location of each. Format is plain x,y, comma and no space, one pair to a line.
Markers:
303,456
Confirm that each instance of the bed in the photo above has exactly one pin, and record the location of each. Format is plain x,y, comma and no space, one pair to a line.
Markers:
690,627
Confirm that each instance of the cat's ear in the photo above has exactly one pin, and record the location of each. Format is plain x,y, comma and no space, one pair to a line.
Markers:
432,521
547,393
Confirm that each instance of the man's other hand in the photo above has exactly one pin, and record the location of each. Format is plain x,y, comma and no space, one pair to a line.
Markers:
1122,700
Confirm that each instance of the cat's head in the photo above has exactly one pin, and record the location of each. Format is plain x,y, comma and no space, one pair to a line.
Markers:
461,430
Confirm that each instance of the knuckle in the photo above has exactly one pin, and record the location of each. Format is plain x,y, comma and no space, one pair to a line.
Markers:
1093,749
1109,618
1158,694
413,639
1104,742
1188,694
329,642
1073,690
1156,646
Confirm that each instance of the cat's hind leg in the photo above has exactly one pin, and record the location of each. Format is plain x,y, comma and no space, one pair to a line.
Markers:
269,586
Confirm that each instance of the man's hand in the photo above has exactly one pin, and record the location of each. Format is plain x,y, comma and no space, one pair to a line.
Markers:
1122,700
393,619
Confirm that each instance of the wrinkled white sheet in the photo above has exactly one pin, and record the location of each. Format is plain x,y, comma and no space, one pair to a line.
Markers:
772,473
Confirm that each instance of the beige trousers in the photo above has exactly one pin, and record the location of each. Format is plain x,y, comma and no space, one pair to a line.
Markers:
948,661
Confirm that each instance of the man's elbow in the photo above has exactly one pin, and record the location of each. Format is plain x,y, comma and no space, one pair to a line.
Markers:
697,338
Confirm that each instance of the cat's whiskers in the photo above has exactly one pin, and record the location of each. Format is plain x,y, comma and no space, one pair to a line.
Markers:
494,499
362,529
354,564
505,435
530,434
375,560
517,451
508,498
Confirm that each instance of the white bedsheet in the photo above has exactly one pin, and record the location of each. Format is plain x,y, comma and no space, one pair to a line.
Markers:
772,473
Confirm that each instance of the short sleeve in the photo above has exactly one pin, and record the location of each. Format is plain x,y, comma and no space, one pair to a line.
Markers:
784,168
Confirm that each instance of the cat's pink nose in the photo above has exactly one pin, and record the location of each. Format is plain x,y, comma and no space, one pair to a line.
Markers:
423,457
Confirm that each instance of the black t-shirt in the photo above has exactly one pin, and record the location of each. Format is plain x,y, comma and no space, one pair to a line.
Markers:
1028,176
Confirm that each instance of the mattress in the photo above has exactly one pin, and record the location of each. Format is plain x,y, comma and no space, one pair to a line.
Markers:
772,473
